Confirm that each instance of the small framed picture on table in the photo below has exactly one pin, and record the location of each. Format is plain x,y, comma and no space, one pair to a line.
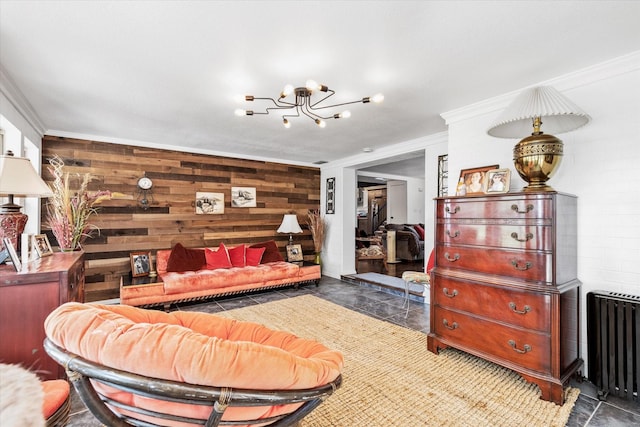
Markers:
140,263
294,253
497,181
41,245
13,255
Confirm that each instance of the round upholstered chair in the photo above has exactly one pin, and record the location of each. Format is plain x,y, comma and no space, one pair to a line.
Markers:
133,366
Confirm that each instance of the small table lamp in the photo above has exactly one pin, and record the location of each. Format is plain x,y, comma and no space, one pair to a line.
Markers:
290,225
17,178
538,156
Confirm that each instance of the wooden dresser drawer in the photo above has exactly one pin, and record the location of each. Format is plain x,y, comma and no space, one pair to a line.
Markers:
528,265
520,308
528,349
531,237
538,207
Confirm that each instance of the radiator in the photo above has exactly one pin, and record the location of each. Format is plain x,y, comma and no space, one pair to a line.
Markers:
612,339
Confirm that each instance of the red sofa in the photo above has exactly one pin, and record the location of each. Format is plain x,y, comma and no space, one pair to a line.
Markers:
194,278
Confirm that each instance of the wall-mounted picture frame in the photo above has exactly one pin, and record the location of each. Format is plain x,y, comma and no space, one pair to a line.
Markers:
243,197
497,181
13,255
472,180
209,203
41,244
140,263
294,253
331,195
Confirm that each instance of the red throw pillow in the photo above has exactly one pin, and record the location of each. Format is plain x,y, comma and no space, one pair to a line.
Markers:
183,259
271,252
254,255
237,256
420,231
217,259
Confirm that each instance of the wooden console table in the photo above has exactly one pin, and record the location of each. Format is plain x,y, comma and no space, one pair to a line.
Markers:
27,298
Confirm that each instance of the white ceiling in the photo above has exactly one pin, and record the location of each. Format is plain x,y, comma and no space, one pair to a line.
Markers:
169,72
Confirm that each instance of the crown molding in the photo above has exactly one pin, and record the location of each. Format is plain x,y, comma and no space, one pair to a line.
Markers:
575,79
20,102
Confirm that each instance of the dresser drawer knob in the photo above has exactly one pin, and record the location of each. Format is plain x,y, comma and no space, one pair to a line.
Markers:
448,257
445,291
453,235
446,324
524,267
527,237
527,209
512,306
452,212
527,347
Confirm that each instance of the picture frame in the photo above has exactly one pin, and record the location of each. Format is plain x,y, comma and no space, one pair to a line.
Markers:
471,181
140,263
13,255
40,243
294,253
497,181
331,196
243,197
209,203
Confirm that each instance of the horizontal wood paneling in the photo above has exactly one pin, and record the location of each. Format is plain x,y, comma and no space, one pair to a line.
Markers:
177,176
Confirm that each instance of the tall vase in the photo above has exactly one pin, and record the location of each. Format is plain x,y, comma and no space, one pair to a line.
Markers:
317,259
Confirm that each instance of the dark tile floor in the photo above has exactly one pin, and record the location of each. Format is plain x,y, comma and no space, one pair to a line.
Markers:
372,301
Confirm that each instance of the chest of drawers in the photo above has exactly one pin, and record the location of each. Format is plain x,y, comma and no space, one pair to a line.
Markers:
504,285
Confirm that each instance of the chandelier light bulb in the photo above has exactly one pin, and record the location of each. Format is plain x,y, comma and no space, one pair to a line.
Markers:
286,123
377,98
240,112
321,123
345,114
312,85
288,90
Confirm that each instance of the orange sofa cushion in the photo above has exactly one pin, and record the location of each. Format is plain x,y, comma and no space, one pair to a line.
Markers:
196,348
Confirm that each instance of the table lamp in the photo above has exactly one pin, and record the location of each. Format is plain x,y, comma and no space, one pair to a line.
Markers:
290,225
537,157
17,178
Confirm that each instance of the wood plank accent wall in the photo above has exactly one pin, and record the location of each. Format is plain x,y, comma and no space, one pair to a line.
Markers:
177,176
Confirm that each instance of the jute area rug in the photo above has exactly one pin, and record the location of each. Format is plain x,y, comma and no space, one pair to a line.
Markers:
390,379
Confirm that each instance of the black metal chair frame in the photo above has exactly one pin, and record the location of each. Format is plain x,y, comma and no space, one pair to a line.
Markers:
81,371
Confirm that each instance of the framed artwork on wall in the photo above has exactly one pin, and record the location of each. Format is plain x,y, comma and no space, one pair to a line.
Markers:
472,180
497,181
331,195
243,197
209,203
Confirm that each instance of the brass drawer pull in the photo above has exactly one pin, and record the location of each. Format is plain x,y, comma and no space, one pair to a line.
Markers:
448,258
526,266
454,235
516,209
527,237
527,347
446,324
512,306
455,210
445,291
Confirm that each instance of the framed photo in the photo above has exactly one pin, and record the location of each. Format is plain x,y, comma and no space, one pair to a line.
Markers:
209,203
497,181
140,263
331,195
40,243
472,180
12,253
243,197
294,253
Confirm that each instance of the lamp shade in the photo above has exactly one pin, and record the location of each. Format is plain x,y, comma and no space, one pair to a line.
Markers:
289,224
557,113
19,178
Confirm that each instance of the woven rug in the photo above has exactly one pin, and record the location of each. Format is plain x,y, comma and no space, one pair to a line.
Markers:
390,379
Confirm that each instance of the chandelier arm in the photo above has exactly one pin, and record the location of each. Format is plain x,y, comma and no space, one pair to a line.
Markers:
305,110
338,105
319,101
297,114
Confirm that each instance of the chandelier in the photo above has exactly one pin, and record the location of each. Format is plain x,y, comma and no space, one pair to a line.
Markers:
302,104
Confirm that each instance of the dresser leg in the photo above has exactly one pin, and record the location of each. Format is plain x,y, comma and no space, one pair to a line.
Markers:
434,345
551,390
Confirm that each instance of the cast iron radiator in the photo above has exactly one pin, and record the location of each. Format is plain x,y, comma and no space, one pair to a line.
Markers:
613,325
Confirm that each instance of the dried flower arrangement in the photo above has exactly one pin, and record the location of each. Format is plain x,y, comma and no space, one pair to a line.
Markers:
68,211
317,226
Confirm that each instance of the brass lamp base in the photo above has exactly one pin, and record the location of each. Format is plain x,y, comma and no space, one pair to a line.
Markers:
536,159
